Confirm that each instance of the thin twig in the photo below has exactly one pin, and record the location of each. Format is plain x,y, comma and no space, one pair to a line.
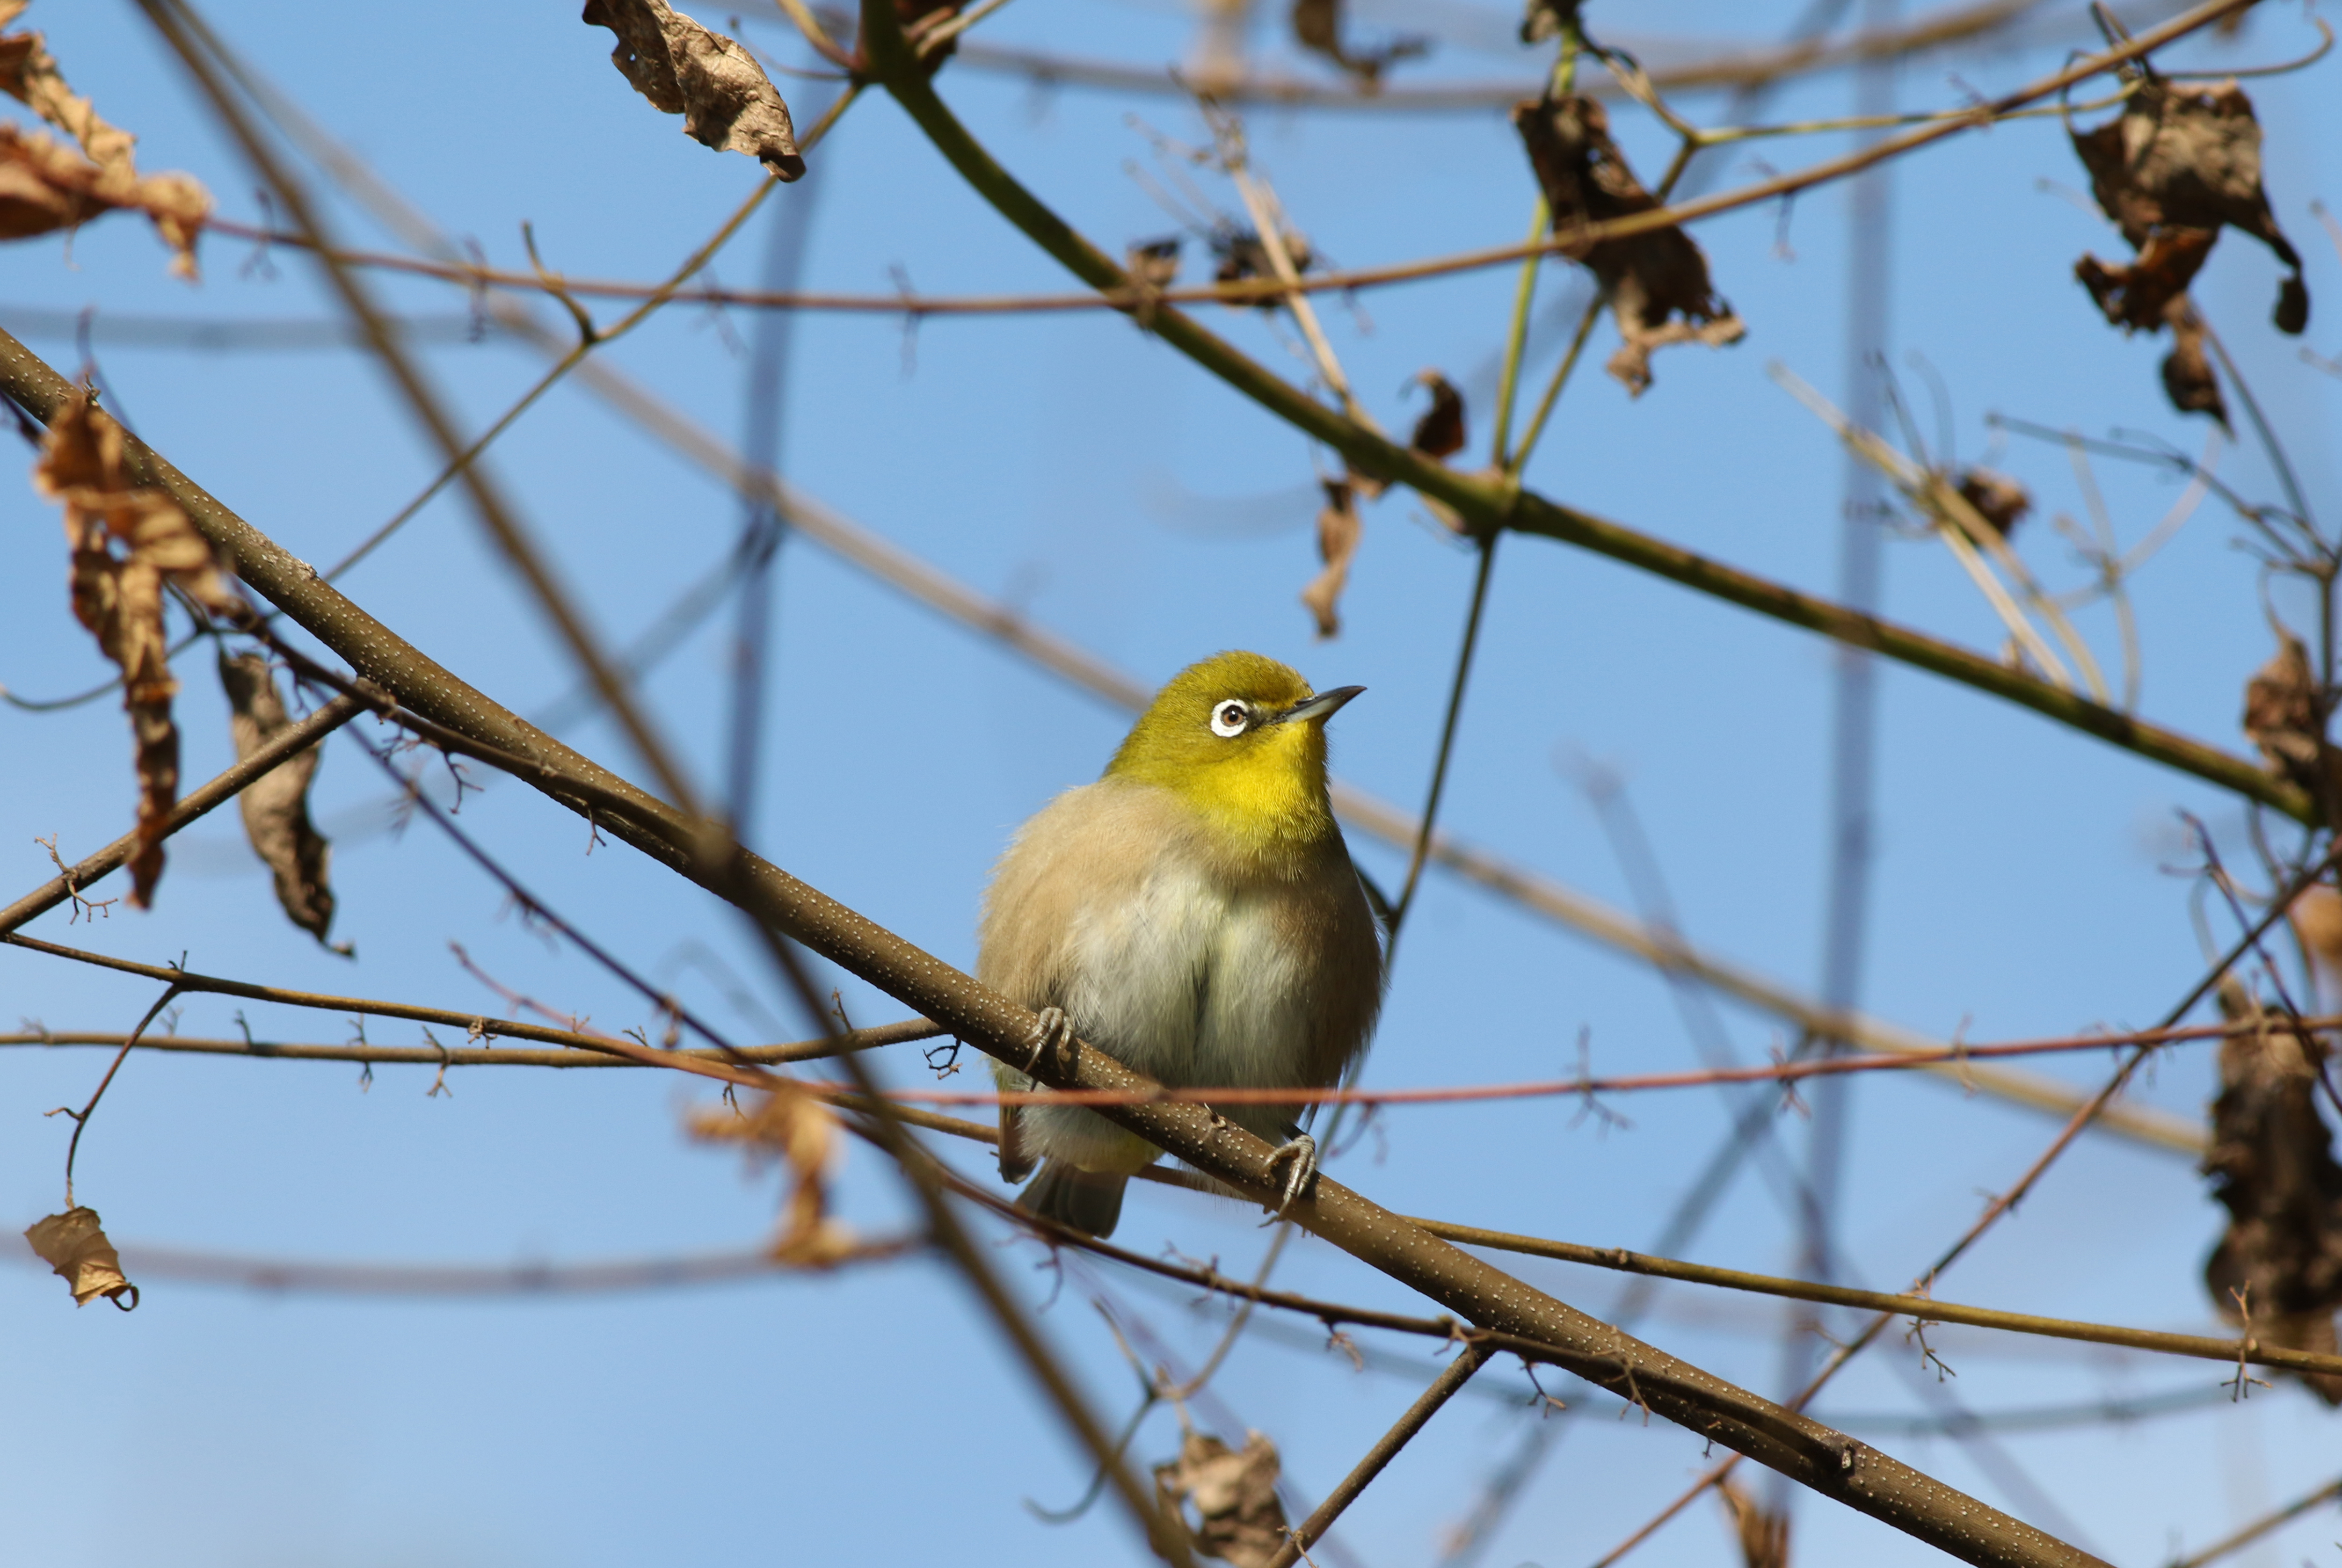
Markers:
1458,1372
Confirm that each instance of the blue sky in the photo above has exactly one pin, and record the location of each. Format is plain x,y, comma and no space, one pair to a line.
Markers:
1117,496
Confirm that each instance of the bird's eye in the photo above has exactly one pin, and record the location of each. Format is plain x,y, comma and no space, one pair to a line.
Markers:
1229,718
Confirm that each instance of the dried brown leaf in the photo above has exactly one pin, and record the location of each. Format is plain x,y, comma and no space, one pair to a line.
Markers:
726,101
128,541
801,1131
2272,1166
1657,283
75,1245
1544,19
1764,1535
2000,501
1235,1495
2173,169
1317,27
276,806
1339,529
2316,918
45,187
2284,716
1440,431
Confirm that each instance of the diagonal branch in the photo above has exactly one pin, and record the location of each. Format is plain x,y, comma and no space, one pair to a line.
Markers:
1503,1306
1457,1373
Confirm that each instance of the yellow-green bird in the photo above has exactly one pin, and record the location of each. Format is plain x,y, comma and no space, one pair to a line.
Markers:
1194,914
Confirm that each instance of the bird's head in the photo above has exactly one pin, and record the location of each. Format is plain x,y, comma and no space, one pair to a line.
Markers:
1241,738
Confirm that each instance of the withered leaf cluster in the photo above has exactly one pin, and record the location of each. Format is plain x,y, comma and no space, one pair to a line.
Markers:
1656,282
2284,716
46,186
1339,529
2173,169
798,1127
128,541
1235,1495
1440,433
726,101
74,1244
1317,27
2272,1167
277,804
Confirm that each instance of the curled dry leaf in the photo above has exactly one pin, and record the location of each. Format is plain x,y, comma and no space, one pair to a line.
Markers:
1764,1535
1657,283
46,186
726,101
1440,431
75,1245
1999,500
128,541
1339,531
800,1130
2272,1167
1235,1495
277,804
2284,716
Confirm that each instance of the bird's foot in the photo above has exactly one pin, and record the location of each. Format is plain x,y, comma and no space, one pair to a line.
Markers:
1048,1037
1300,1151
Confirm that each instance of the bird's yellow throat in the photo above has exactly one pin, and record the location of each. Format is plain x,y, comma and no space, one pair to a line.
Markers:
1264,802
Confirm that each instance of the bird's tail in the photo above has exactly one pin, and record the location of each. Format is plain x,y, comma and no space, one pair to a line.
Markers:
1086,1200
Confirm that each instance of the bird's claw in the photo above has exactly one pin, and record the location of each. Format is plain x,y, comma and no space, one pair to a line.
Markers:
1047,1036
1301,1152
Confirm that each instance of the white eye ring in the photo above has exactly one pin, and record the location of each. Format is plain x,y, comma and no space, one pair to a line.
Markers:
1230,719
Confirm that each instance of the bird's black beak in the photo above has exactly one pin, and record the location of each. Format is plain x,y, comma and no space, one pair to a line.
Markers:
1324,706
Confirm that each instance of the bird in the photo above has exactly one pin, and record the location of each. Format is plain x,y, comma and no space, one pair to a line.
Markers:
1194,913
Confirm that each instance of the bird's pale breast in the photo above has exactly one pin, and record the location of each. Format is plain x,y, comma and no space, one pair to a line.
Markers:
1184,963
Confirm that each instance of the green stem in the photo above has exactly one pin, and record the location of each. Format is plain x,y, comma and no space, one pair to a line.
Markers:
1516,338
